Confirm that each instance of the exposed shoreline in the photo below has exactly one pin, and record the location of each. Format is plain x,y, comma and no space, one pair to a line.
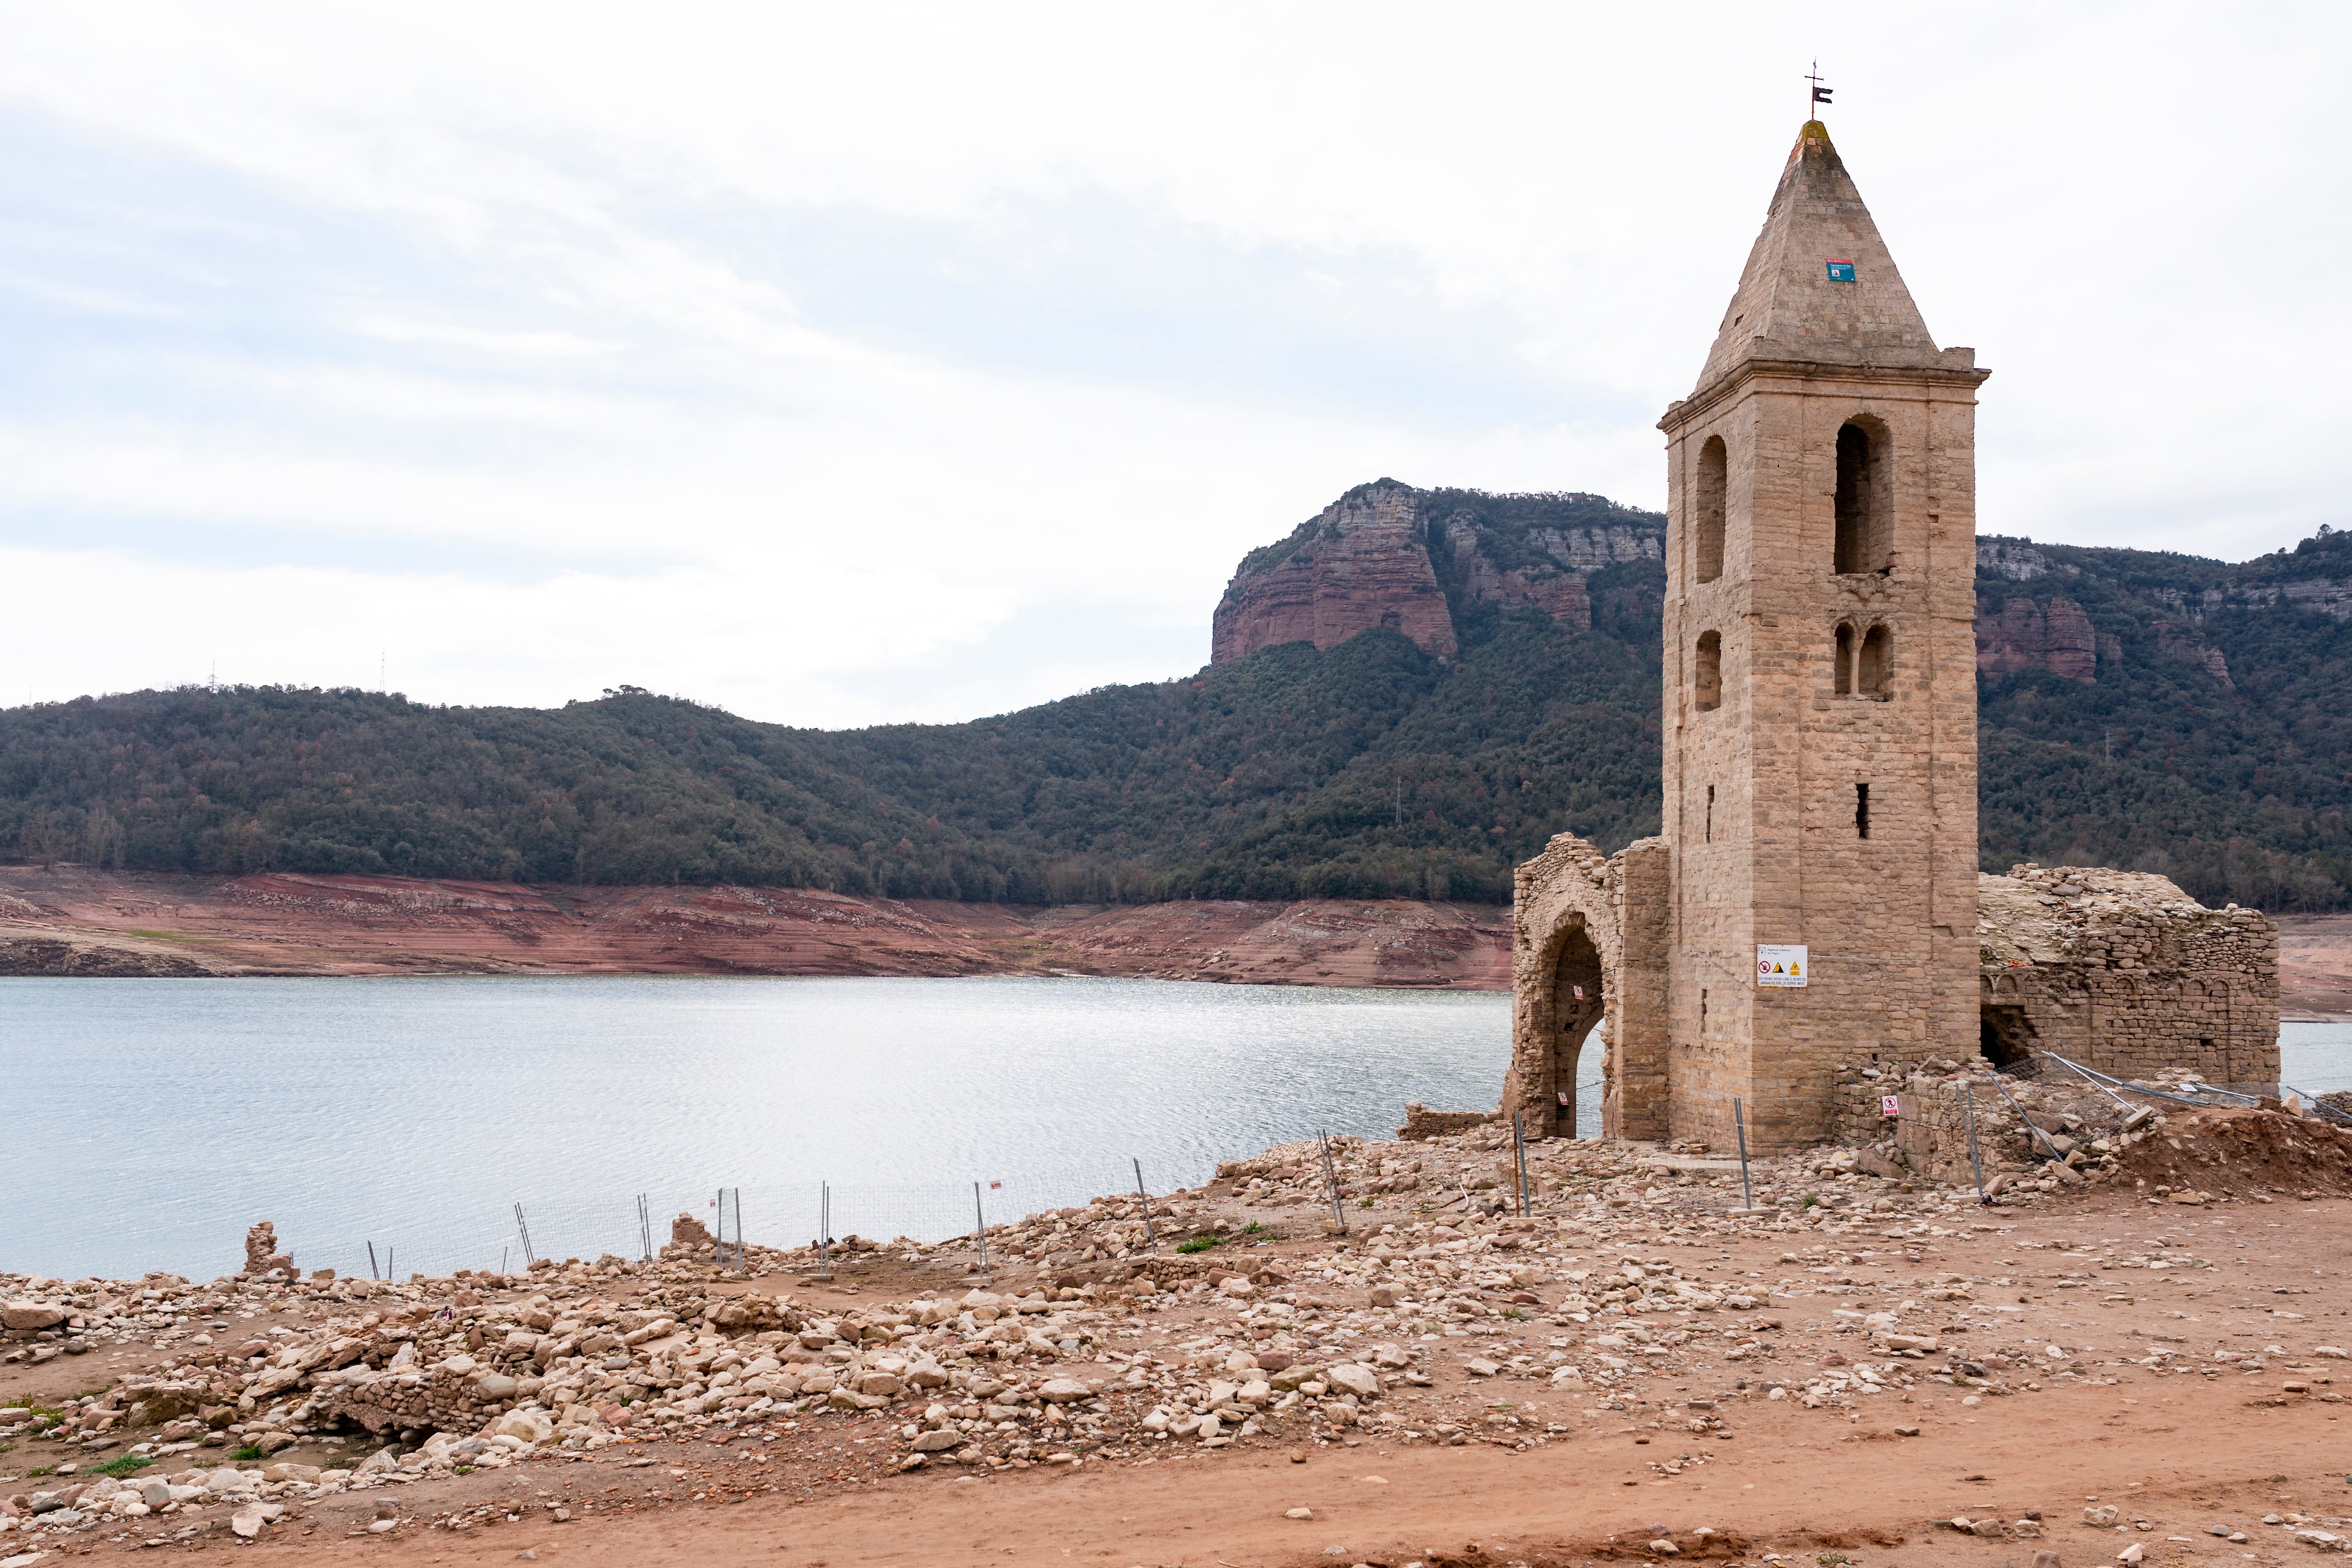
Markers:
77,920
70,919
1487,1363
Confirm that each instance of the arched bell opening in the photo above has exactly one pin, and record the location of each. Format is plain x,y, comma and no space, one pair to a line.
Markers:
1577,1006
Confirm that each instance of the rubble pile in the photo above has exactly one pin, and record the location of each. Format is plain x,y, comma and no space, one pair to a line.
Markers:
1442,1314
2055,1130
2197,1155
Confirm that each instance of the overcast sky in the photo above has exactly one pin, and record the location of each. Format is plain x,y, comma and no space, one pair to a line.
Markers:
842,364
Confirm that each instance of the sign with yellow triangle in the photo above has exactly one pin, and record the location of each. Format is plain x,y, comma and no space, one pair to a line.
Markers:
1782,963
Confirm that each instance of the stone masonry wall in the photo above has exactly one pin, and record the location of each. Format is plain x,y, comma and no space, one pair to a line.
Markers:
2126,973
1580,919
1762,792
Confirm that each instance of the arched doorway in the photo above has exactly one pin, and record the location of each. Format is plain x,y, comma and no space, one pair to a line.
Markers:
2006,1037
1578,1004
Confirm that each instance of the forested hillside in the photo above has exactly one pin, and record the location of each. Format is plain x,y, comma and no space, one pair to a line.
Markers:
2210,741
2150,712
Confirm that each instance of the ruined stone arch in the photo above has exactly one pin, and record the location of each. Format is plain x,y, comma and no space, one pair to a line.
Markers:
1572,914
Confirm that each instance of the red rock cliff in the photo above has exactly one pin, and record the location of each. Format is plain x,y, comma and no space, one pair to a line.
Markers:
1361,565
2029,634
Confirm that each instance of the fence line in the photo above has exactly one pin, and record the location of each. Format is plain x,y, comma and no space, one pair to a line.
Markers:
630,1226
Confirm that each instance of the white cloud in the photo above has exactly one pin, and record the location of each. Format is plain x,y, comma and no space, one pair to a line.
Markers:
888,330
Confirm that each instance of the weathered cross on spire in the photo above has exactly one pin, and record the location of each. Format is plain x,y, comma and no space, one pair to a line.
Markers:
1821,94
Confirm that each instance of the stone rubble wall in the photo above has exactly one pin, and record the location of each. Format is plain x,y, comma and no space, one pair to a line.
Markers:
1927,1139
2127,974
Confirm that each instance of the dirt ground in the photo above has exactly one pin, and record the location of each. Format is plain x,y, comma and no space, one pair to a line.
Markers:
2315,966
2181,1447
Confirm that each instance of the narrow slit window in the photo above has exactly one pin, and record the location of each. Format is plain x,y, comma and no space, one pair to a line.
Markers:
1707,509
1844,676
1870,670
1862,811
1707,677
1710,814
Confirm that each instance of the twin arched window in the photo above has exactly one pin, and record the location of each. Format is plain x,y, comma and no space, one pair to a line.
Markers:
1865,662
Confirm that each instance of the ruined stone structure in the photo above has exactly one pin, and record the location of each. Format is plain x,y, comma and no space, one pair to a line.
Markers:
2127,974
1812,899
1588,944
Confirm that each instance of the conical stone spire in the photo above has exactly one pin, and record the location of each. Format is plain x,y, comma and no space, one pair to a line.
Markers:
1793,304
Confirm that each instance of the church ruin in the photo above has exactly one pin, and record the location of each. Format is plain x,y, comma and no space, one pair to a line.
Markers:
1813,901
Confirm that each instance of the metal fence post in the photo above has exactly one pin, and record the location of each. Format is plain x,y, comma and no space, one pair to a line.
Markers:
979,1229
1331,1183
1149,1234
373,1272
1975,1164
1739,1124
824,1230
529,1257
1520,1153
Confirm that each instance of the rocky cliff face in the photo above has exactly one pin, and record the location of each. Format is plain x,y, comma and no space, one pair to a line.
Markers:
1362,563
1388,554
2033,634
1560,594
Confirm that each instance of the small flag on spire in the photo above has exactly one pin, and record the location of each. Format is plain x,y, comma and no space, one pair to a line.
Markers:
1821,93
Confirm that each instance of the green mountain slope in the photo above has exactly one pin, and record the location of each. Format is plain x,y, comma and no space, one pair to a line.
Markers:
2232,775
1369,769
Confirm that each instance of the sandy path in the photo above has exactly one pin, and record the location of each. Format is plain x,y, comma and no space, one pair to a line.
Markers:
2182,1454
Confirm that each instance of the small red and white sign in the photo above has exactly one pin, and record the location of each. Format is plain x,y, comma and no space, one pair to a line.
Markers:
1889,1105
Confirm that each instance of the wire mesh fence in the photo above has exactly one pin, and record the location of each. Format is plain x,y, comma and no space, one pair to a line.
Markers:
629,1226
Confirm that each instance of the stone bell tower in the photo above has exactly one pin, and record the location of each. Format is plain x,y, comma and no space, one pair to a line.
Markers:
1820,714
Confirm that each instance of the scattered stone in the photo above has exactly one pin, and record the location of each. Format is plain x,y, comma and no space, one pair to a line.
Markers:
261,1255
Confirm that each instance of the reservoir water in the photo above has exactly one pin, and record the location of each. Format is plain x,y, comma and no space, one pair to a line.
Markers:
147,1122
150,1121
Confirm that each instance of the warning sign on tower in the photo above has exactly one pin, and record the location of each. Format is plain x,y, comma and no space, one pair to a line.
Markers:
1780,963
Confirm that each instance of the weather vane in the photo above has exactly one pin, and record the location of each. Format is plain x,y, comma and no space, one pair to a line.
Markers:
1821,93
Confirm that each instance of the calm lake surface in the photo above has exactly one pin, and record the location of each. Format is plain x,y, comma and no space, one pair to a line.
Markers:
150,1121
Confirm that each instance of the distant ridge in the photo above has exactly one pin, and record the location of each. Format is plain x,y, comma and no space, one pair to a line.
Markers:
1412,692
